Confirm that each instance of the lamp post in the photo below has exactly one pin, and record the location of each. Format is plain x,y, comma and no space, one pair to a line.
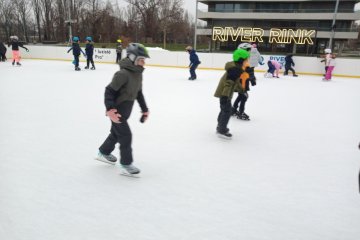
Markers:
333,25
69,21
195,37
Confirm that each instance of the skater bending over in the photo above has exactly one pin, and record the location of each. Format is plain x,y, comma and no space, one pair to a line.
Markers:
226,87
274,68
194,62
120,94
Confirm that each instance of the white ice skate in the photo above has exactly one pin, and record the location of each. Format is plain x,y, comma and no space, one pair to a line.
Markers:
129,170
268,75
110,159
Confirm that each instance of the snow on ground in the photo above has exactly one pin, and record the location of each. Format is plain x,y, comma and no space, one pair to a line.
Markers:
289,173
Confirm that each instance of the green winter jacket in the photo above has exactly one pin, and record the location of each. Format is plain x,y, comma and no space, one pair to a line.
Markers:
128,81
227,86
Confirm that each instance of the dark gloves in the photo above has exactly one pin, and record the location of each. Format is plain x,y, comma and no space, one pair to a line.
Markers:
247,88
234,73
252,77
252,81
223,100
144,117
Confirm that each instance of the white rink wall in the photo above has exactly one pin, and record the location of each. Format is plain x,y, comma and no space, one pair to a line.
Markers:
160,57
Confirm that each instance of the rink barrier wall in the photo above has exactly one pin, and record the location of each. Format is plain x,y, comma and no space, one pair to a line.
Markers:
209,61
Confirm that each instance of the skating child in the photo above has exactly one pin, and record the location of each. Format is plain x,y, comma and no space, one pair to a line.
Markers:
76,49
194,62
119,49
255,56
2,52
330,67
326,58
89,50
274,68
15,44
243,92
228,83
289,63
120,94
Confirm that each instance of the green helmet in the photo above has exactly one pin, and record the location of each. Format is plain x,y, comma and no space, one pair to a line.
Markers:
240,54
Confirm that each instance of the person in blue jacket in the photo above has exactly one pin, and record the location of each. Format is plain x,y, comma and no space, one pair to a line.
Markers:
89,50
194,62
76,49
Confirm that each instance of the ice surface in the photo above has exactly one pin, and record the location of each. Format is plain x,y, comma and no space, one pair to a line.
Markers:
290,173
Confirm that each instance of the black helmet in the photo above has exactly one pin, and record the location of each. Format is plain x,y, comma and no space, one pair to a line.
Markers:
135,50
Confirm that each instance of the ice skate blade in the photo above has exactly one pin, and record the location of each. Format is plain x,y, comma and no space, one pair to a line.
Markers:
242,119
223,136
126,174
105,161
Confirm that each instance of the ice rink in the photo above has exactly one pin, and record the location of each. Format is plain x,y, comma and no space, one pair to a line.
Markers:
291,173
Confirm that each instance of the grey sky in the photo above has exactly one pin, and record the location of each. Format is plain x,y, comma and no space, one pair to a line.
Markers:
188,5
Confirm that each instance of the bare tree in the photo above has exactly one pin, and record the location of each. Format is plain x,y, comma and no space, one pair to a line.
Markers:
7,17
47,15
148,11
170,11
144,20
22,7
37,14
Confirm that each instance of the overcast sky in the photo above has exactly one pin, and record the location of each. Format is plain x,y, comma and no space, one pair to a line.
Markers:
188,5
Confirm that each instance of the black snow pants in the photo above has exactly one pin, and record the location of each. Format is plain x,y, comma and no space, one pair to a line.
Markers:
241,98
224,115
120,133
90,60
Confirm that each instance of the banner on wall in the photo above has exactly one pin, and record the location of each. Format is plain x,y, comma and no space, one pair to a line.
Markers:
276,35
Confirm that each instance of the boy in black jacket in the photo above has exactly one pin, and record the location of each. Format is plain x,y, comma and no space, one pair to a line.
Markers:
89,50
120,94
289,63
76,52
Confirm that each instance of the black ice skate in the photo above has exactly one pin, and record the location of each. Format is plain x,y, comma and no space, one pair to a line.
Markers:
87,67
223,134
77,69
13,63
234,112
243,116
92,68
18,64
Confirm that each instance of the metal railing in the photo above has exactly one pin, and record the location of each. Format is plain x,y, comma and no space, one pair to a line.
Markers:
277,10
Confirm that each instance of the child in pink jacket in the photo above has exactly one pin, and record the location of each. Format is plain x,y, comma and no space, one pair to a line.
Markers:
274,66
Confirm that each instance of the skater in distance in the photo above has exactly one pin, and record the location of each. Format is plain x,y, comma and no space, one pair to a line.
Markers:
194,62
89,50
15,44
76,49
